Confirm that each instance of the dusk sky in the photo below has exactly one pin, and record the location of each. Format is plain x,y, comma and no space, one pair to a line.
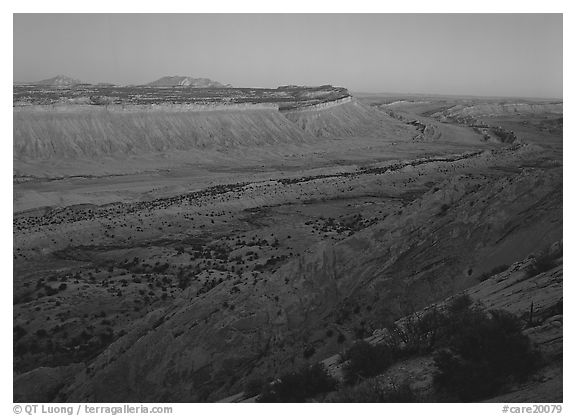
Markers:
467,54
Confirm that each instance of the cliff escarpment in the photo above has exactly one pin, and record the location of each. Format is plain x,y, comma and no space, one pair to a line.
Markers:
86,132
64,131
345,117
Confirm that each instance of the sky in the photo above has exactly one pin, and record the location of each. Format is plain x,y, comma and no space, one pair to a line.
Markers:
462,54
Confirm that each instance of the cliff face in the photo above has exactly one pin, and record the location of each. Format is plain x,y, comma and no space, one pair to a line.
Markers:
43,132
92,122
46,132
345,117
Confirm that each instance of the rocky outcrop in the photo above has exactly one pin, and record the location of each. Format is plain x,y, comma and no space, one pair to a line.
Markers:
60,81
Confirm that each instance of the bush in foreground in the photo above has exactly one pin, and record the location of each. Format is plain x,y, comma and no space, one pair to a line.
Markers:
298,386
476,352
367,360
373,391
485,352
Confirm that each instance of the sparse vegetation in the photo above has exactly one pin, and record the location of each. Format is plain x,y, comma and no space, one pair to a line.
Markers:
485,351
375,391
476,351
365,360
299,386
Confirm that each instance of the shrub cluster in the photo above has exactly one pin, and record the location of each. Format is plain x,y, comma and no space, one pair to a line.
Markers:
298,386
365,360
486,350
373,391
476,352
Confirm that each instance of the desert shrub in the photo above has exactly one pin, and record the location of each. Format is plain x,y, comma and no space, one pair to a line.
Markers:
20,349
19,332
443,209
419,334
183,281
476,352
50,291
506,136
308,352
160,268
373,391
458,304
423,333
459,314
298,386
401,393
41,333
485,351
366,360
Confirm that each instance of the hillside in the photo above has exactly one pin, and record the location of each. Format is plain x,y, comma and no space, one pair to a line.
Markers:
529,291
345,117
533,296
60,81
416,247
80,131
92,132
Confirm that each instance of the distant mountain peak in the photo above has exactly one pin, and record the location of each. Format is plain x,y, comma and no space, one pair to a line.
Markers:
59,81
185,81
